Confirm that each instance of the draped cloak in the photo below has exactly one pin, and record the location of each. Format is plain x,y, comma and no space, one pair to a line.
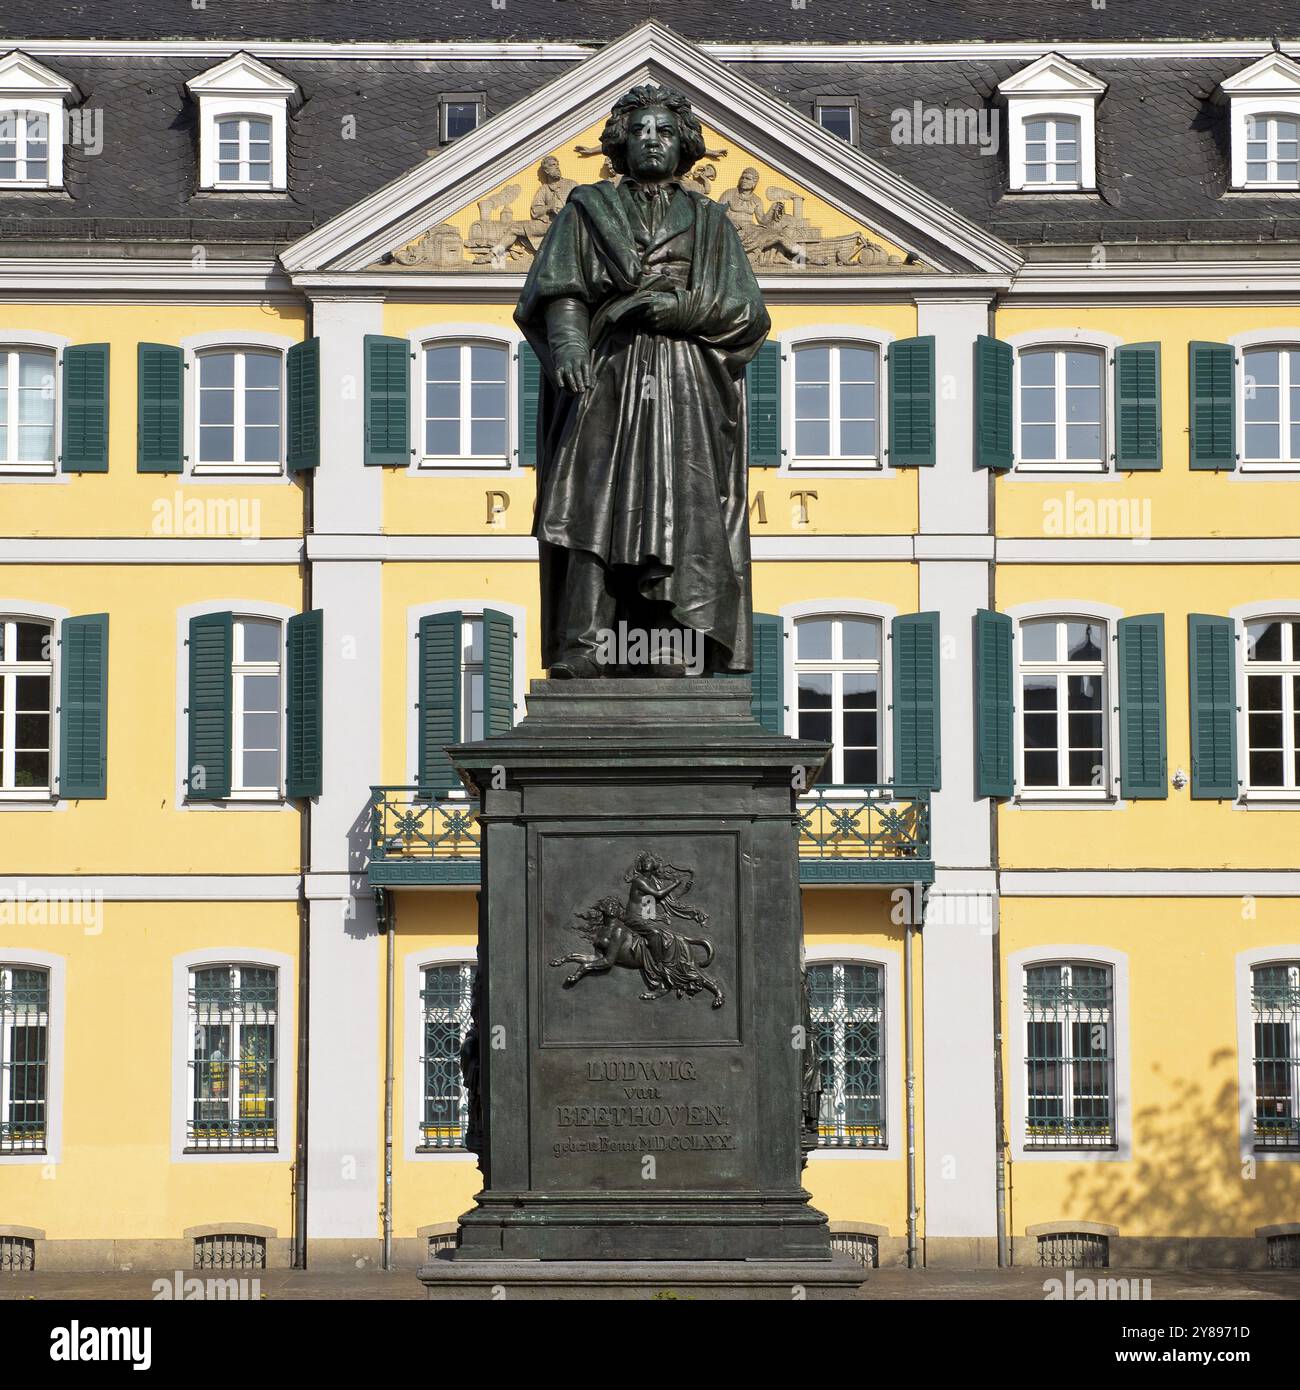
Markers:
647,467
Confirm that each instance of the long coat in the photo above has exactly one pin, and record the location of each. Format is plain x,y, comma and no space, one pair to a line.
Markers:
647,468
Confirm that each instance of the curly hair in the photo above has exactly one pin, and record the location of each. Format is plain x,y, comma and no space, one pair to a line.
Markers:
613,139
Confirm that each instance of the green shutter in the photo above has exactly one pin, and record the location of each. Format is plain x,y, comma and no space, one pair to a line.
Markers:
498,672
993,447
302,369
160,393
439,699
916,700
210,709
387,405
1137,406
528,387
83,708
1212,682
1213,397
304,682
763,391
911,403
85,409
768,677
1143,767
994,705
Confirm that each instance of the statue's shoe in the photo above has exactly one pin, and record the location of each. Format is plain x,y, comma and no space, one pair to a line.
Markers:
570,668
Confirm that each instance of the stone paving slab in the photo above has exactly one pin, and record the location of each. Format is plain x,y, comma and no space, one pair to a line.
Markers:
1026,1285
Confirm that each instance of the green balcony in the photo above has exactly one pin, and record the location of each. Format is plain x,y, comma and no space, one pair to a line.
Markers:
848,836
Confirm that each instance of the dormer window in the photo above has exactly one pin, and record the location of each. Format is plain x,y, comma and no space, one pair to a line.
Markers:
243,126
1264,117
1052,152
458,114
244,151
1051,109
32,101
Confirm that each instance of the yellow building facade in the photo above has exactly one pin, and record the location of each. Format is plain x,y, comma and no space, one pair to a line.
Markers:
1040,591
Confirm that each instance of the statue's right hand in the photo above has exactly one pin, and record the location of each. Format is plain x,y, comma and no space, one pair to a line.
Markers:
573,368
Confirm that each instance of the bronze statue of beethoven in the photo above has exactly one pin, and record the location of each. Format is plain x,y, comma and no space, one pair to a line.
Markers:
643,308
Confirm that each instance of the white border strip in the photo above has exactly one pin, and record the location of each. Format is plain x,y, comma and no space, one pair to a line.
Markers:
152,888
1149,883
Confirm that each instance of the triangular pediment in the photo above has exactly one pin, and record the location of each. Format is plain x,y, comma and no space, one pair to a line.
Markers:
1273,75
1052,75
818,204
783,227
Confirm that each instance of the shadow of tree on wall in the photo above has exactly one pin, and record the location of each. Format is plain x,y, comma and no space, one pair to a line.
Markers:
1187,1176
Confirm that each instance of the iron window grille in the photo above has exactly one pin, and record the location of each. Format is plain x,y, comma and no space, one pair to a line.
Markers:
446,1003
17,1255
1275,1006
233,1013
847,1005
1070,1069
1284,1251
24,1058
230,1250
1074,1250
863,1248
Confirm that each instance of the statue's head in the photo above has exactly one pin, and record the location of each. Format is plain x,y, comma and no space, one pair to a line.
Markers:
652,134
550,168
748,180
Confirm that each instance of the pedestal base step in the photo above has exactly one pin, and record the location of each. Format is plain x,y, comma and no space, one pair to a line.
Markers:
502,1280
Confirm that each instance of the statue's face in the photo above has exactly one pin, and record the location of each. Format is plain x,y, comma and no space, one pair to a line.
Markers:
654,144
748,180
551,167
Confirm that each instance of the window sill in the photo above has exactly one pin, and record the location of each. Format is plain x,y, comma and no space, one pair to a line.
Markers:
1060,800
191,1152
272,801
261,188
27,470
1270,799
493,463
835,465
1053,468
1050,190
230,470
1269,466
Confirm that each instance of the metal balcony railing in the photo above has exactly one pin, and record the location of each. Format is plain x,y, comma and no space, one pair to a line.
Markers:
872,834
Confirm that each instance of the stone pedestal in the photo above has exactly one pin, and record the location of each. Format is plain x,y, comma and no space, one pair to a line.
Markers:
617,1127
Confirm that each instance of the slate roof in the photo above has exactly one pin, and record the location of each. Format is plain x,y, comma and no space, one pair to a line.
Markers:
1162,148
740,21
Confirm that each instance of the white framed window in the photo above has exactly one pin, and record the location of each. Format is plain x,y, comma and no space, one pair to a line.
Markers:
1062,711
1272,670
244,145
839,116
1270,405
1273,150
1051,126
240,410
1069,1054
458,114
33,123
466,404
838,678
25,148
1275,1054
243,126
1061,407
836,411
28,406
26,707
846,1002
446,992
256,748
471,677
233,1058
24,1058
1052,158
